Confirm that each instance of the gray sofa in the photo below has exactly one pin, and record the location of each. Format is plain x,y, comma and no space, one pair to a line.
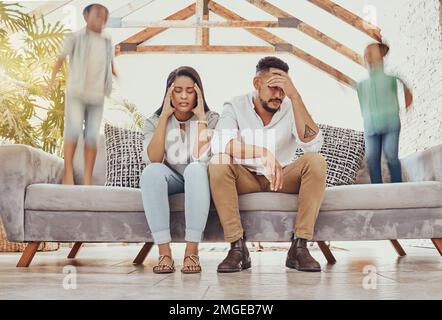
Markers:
35,207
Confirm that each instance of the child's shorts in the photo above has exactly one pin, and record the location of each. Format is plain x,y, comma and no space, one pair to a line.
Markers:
79,112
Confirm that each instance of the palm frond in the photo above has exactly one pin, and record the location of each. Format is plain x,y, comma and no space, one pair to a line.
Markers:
10,60
51,129
11,17
43,37
138,118
23,73
3,35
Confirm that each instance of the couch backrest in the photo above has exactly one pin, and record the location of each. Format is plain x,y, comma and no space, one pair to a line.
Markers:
99,176
364,178
423,165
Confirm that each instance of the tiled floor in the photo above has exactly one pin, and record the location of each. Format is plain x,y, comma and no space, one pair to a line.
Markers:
365,270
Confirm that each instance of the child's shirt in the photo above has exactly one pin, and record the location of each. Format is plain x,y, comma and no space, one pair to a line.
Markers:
379,103
90,65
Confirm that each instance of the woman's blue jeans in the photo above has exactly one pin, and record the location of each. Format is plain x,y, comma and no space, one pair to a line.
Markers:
158,181
389,143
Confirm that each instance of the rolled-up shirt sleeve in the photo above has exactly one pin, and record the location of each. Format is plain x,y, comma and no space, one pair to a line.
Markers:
149,130
314,145
226,129
212,120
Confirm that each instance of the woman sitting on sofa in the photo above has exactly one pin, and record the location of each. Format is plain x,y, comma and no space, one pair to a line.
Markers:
177,150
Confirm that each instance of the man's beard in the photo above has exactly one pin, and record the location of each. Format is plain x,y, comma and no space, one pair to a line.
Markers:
266,107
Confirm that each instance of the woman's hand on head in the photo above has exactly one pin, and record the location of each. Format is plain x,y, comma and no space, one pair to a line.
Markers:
168,110
199,109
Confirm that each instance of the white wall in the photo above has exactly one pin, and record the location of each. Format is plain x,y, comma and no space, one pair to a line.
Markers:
416,55
413,30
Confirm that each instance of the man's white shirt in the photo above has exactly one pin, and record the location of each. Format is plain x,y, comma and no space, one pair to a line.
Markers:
240,121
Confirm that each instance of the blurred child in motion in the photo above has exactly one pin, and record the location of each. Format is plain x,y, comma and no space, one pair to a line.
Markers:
378,98
89,81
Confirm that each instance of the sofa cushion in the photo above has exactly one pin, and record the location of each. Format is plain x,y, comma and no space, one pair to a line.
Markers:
343,149
89,198
124,161
99,198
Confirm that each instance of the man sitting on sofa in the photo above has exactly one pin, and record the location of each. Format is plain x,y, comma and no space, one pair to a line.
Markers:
254,145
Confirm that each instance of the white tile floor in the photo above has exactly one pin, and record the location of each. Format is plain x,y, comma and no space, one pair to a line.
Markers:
106,272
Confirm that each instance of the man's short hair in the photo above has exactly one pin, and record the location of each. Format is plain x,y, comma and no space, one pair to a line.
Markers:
89,7
271,62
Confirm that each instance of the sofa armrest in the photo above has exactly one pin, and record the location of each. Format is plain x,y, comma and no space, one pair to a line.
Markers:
21,166
424,165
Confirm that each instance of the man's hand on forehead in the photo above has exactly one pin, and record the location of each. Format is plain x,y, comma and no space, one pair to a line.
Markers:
278,75
281,79
271,72
276,72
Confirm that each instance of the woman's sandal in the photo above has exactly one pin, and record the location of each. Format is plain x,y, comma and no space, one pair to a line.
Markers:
192,268
164,268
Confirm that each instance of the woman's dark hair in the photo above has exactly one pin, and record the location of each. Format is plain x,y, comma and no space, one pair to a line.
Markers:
186,72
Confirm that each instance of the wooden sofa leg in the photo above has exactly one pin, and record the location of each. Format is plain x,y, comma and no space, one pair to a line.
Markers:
28,255
73,253
327,253
143,253
397,246
438,244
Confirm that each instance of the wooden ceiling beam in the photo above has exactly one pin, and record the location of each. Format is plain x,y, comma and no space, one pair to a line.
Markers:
349,17
282,45
179,49
281,23
202,15
309,30
148,33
